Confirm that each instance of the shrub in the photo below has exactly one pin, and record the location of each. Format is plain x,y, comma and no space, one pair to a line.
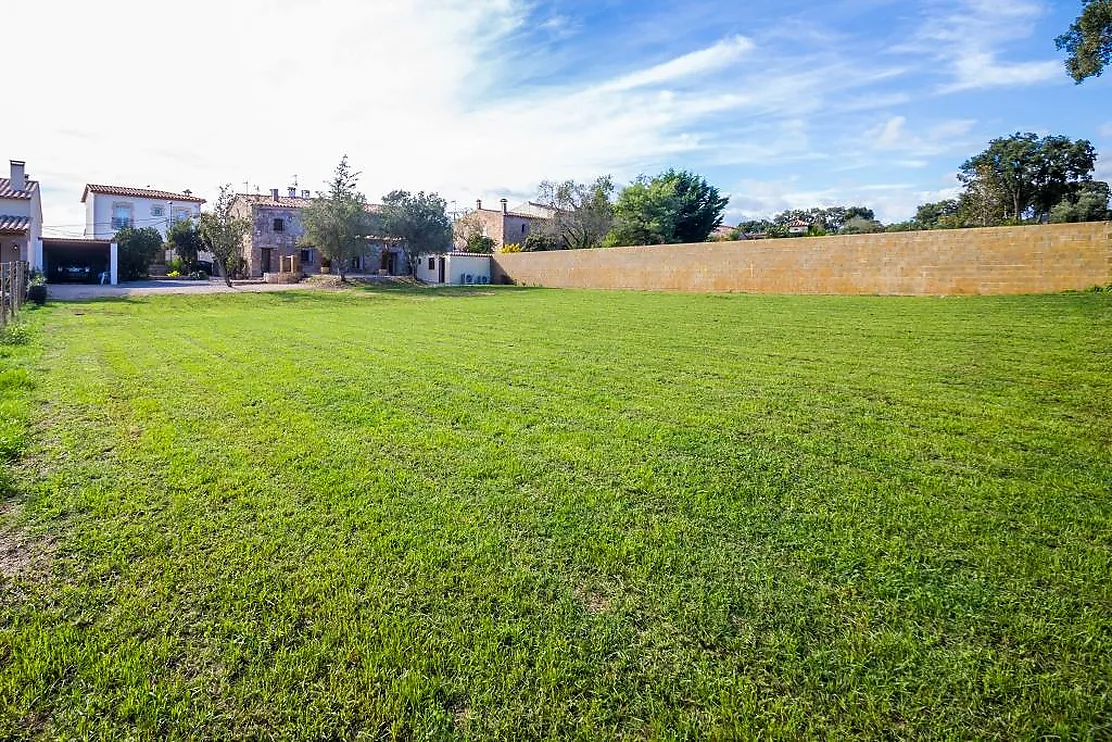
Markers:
540,242
15,334
137,250
512,247
174,274
36,293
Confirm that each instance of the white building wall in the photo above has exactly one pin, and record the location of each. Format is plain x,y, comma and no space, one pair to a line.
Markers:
459,267
100,208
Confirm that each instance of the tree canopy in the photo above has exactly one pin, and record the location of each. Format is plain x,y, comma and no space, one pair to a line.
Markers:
1026,175
583,213
419,221
669,207
1088,42
137,250
184,239
337,221
223,231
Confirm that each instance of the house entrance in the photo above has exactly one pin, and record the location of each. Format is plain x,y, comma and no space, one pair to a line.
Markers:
389,263
264,263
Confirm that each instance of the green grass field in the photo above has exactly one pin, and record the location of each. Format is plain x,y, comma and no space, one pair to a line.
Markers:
558,514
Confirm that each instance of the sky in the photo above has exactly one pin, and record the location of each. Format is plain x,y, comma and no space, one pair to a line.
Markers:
779,103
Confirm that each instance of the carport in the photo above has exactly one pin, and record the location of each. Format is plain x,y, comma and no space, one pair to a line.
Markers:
77,260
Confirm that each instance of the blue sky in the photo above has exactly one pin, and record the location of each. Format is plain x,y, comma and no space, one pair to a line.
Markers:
780,104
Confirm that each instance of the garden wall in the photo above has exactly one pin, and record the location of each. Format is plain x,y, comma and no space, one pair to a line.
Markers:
997,260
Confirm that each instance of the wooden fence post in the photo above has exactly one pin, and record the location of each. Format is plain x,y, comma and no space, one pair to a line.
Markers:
5,283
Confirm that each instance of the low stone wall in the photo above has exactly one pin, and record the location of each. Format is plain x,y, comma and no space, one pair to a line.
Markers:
998,260
282,277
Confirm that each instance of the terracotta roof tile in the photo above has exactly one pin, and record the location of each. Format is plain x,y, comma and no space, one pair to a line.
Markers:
111,190
14,224
6,190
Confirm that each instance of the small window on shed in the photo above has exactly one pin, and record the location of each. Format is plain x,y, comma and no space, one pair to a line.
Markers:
279,225
432,263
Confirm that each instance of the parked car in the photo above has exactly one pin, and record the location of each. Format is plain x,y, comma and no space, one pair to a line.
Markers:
77,272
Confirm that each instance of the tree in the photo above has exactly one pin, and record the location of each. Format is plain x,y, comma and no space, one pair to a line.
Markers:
1030,175
667,208
1091,205
420,221
223,232
861,225
337,222
185,240
938,215
137,249
582,213
539,241
467,235
1088,42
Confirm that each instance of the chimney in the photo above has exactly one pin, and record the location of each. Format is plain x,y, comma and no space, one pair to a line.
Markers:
504,208
187,192
293,192
479,204
274,193
305,194
19,176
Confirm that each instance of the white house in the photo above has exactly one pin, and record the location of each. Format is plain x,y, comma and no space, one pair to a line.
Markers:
460,268
109,208
20,215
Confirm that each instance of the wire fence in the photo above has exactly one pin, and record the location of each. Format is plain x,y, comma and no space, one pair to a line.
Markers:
13,289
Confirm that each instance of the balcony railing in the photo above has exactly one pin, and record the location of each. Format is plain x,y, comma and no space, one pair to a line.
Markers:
120,222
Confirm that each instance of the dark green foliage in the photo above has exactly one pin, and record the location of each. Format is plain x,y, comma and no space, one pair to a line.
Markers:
1088,42
541,514
540,242
479,243
420,221
138,248
861,225
1026,175
37,293
582,212
1089,205
668,208
185,240
938,215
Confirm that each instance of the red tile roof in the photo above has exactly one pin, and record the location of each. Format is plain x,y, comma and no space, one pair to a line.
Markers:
139,193
283,202
6,190
14,224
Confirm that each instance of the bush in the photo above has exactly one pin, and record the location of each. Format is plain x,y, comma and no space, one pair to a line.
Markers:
174,274
512,247
15,334
37,293
137,250
177,265
479,243
540,242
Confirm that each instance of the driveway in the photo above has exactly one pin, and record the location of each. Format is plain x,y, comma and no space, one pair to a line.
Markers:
78,291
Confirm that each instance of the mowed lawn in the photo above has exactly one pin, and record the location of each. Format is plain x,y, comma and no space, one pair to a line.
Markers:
524,513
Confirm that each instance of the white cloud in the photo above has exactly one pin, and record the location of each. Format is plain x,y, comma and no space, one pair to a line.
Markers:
893,135
713,58
969,38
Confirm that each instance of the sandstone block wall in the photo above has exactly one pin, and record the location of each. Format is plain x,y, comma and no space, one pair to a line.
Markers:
996,260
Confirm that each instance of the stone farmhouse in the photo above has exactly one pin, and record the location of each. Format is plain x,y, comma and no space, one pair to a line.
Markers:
276,231
509,226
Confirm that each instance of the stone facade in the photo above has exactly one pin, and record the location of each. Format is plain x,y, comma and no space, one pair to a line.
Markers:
1000,260
504,226
276,231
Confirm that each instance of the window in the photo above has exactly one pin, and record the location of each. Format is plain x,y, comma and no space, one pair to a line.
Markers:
524,228
279,225
157,211
181,215
307,255
432,264
121,216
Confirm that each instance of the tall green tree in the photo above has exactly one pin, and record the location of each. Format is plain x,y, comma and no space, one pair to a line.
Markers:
1088,42
1030,174
224,231
137,248
582,212
938,215
1090,205
419,221
337,222
184,239
669,207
